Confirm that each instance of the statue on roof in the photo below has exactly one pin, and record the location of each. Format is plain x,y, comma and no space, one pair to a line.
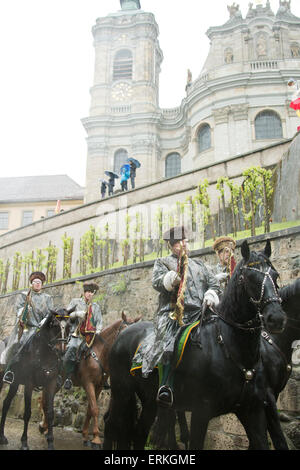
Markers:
130,4
285,4
234,10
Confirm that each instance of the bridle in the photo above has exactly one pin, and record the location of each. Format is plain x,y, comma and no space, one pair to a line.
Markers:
60,337
261,303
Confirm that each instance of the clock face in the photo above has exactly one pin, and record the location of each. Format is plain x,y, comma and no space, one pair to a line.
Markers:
121,91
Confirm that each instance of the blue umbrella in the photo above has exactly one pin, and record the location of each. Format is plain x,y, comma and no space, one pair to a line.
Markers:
103,181
136,162
125,166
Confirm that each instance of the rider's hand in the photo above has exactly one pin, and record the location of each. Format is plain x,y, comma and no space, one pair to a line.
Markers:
78,314
222,277
210,299
171,280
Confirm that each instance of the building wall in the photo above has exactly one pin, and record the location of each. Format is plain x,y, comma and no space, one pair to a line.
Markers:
39,211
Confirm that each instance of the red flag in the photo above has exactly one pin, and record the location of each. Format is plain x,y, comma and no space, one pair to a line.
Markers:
295,104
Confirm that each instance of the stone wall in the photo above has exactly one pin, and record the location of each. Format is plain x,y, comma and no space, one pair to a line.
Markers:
129,289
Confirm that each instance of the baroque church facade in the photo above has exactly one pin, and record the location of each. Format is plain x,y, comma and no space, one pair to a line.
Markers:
239,102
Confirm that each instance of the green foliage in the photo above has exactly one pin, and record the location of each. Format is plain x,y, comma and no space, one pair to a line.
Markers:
120,287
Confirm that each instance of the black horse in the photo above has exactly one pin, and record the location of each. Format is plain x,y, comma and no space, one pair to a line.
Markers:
38,366
220,372
276,355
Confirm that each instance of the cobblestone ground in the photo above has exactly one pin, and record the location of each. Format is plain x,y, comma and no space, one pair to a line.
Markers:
64,438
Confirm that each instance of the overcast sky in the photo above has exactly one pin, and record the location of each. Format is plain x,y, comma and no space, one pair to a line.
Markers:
47,63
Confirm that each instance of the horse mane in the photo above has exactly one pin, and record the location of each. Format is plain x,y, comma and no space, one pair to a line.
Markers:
111,327
290,290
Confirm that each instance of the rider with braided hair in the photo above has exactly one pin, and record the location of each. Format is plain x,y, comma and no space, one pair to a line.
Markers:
185,288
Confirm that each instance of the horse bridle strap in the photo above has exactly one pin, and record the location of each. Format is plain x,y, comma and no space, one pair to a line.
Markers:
261,302
250,325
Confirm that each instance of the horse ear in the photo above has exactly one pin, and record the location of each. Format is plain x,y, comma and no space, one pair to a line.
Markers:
124,317
245,250
71,310
268,249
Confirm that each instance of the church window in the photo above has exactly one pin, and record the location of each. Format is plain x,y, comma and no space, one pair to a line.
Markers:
268,125
204,137
3,220
121,157
172,165
122,69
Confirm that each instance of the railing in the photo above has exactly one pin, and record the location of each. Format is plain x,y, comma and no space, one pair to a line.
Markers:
264,64
126,109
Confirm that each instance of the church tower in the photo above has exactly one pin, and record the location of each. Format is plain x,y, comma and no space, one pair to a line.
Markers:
124,108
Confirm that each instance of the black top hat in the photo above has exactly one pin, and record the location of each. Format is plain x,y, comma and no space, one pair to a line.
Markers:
175,234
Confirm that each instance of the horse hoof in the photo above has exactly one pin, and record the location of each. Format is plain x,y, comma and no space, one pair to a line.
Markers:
24,447
3,441
95,446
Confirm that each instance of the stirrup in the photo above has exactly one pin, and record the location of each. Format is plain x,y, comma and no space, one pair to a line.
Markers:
165,396
8,377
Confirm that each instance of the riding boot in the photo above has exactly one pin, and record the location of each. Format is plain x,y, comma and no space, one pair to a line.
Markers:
69,367
165,391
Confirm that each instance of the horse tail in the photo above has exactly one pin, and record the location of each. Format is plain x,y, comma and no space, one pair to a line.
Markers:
120,421
163,428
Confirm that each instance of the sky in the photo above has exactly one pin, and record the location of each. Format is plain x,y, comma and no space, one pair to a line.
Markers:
47,65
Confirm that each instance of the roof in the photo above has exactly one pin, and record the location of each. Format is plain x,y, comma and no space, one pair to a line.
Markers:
39,188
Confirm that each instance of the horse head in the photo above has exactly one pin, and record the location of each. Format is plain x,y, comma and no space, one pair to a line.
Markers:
129,321
258,279
58,325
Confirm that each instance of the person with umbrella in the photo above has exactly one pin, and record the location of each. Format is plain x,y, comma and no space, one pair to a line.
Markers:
134,164
111,181
104,185
125,174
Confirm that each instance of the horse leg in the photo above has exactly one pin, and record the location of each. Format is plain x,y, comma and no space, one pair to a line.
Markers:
27,414
92,412
254,422
144,424
199,424
184,430
43,425
6,405
49,412
273,423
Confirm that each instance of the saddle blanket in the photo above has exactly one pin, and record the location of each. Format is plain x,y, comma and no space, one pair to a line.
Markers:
181,344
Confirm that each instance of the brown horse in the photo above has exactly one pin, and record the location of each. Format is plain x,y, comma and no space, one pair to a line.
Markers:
92,372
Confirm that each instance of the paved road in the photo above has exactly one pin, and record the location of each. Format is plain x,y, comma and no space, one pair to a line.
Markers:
64,439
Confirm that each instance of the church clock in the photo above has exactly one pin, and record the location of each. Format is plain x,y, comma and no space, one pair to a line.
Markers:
121,91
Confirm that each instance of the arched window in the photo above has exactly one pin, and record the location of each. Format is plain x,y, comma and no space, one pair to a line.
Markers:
204,137
123,65
172,165
268,125
120,158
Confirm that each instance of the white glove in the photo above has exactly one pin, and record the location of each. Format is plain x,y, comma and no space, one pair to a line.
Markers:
79,314
210,299
171,280
222,277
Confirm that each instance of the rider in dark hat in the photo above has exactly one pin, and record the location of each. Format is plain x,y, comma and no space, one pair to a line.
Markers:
186,287
86,323
32,308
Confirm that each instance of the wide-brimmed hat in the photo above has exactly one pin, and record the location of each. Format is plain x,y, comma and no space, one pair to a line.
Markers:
90,287
37,275
175,234
223,242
